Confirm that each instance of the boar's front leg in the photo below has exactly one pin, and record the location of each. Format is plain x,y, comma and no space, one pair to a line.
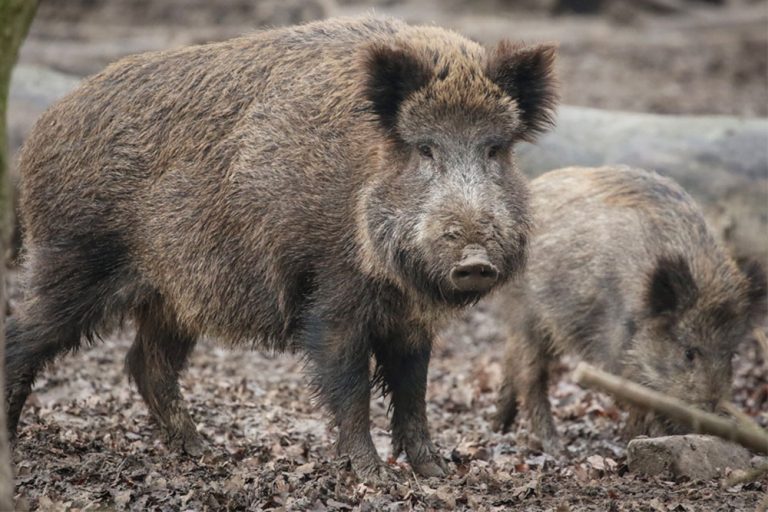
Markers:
403,369
526,377
528,360
340,361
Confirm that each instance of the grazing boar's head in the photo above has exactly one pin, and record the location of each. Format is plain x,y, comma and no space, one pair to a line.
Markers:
446,212
693,326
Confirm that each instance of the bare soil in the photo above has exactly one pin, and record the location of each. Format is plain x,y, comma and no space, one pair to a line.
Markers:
86,441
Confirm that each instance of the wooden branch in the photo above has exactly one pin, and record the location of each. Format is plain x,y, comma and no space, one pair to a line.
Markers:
697,420
15,19
759,334
748,476
739,415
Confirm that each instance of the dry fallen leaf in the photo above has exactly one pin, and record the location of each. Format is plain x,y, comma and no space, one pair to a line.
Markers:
270,448
306,469
123,497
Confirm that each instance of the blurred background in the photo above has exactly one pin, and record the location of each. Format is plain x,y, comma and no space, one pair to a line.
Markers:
671,57
665,56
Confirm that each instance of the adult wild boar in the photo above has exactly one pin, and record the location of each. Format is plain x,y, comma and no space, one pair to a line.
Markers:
336,188
625,273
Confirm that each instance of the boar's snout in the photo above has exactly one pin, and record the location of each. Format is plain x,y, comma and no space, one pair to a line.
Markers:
474,272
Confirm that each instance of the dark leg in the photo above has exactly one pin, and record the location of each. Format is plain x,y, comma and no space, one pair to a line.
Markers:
157,357
536,403
340,361
70,294
30,345
404,374
506,405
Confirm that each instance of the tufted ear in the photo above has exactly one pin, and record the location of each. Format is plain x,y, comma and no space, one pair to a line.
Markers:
526,74
671,288
757,290
393,75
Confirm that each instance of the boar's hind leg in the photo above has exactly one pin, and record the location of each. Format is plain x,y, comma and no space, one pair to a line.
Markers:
157,357
69,294
29,347
404,376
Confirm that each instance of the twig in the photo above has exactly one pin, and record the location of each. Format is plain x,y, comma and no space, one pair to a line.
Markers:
117,472
739,415
759,335
693,418
745,477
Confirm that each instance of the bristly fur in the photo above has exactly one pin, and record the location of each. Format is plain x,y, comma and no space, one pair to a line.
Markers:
273,191
394,74
757,293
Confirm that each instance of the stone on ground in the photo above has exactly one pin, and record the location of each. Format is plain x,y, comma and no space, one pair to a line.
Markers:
697,457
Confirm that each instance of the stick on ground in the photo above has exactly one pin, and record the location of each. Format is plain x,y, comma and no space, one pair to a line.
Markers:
745,477
762,341
697,420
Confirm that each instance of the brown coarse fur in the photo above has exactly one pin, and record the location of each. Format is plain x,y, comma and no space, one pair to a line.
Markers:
625,273
337,188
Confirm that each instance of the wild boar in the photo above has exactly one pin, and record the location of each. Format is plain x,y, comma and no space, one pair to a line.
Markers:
625,273
337,188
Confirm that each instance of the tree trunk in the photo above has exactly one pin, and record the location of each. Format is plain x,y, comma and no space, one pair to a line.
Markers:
15,18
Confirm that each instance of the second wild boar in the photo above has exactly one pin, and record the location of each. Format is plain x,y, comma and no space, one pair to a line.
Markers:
625,273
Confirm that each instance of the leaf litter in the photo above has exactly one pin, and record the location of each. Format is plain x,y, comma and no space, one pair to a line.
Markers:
86,441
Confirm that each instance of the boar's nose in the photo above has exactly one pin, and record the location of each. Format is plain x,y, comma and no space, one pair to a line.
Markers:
474,272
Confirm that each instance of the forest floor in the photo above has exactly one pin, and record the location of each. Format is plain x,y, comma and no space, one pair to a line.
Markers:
86,441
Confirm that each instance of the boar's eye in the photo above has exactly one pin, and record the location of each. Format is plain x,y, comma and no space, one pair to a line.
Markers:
690,354
425,151
451,234
494,150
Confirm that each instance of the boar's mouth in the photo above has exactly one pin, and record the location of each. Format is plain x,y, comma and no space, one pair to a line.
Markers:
461,285
463,298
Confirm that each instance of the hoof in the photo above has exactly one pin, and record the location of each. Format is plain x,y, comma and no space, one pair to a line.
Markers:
377,475
432,468
191,444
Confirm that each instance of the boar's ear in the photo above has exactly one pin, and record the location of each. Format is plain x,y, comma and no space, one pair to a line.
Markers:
393,74
526,74
757,290
671,288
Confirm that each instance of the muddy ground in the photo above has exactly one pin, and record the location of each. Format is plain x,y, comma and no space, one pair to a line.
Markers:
86,441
